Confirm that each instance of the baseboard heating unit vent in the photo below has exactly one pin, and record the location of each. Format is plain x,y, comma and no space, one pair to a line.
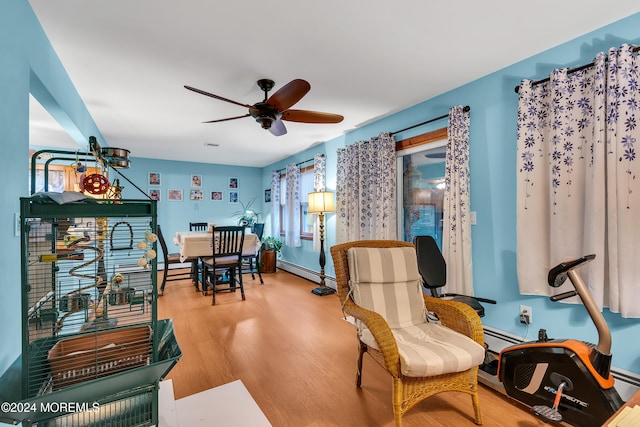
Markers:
627,383
306,273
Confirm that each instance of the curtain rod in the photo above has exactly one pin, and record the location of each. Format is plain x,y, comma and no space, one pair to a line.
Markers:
569,71
465,109
298,164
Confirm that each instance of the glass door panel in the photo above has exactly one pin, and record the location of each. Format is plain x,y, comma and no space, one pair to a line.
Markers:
422,191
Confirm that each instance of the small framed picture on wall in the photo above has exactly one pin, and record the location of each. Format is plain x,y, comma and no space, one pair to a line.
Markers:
196,181
267,195
234,183
196,195
174,195
154,178
154,193
233,197
216,196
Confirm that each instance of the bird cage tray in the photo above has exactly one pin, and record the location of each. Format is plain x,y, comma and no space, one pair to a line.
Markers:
96,355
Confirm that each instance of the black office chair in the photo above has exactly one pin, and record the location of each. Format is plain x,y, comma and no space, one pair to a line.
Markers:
172,274
250,262
225,266
433,269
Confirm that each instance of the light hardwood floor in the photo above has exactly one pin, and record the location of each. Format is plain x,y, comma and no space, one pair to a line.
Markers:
297,357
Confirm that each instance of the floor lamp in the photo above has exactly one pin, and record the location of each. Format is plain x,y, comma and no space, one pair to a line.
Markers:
321,202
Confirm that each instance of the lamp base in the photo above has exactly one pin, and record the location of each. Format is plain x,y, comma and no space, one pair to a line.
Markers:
323,290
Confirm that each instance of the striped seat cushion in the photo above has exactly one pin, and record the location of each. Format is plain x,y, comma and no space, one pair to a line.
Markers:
431,349
386,280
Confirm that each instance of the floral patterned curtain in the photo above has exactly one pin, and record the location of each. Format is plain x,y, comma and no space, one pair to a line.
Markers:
576,179
292,217
366,190
275,203
456,233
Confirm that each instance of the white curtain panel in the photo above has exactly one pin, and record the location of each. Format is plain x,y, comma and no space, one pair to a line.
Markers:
292,229
456,234
366,190
275,203
577,191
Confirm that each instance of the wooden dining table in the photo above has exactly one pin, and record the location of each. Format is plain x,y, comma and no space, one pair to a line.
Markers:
195,244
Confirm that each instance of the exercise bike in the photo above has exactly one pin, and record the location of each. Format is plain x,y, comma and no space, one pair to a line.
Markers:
564,380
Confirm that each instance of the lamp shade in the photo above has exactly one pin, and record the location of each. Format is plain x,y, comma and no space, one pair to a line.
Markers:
321,201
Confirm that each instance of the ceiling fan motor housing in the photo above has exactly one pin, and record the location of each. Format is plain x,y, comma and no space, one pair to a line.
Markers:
264,114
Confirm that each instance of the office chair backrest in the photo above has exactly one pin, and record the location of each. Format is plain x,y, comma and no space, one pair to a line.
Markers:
431,263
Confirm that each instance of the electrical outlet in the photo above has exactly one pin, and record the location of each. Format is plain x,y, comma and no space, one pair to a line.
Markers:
526,315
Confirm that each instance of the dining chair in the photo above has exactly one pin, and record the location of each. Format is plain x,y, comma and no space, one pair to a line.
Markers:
198,226
170,274
223,270
250,262
379,285
196,267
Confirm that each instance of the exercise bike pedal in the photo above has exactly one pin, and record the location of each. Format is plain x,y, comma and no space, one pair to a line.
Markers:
547,414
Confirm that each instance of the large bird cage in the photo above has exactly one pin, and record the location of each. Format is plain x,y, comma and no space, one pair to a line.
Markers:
90,330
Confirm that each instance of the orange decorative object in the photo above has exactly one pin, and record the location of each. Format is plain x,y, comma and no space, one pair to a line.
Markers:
96,184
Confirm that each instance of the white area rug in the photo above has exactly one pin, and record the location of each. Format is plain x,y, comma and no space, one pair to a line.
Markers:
228,405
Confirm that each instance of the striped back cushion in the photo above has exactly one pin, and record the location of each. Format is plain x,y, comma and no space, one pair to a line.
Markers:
386,280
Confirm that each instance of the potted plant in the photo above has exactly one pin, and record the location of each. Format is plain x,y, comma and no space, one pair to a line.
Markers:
269,251
247,216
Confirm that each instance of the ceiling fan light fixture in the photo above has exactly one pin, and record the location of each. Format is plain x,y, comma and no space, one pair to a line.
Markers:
265,121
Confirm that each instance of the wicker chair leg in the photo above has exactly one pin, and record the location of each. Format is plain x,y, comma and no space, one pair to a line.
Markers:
476,408
397,401
362,348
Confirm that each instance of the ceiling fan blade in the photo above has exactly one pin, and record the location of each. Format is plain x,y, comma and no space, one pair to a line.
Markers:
305,116
289,94
278,128
202,92
229,118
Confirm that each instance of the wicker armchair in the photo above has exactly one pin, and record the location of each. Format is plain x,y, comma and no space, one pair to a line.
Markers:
408,390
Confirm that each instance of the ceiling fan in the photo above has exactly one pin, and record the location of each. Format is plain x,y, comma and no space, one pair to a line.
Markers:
275,108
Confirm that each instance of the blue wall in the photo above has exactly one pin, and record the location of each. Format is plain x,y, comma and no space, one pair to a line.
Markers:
493,104
174,216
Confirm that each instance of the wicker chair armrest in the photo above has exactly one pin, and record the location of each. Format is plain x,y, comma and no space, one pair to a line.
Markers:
457,316
381,332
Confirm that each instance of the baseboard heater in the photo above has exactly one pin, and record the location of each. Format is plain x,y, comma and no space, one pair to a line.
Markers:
626,382
306,273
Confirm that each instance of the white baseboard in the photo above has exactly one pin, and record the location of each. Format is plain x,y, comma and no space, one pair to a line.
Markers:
306,273
627,382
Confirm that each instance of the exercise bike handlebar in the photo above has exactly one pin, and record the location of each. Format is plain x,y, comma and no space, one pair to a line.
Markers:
558,275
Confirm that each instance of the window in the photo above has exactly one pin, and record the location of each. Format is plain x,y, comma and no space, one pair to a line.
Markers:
60,178
421,170
306,187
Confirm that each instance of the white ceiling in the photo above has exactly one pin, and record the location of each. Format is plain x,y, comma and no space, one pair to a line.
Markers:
364,59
